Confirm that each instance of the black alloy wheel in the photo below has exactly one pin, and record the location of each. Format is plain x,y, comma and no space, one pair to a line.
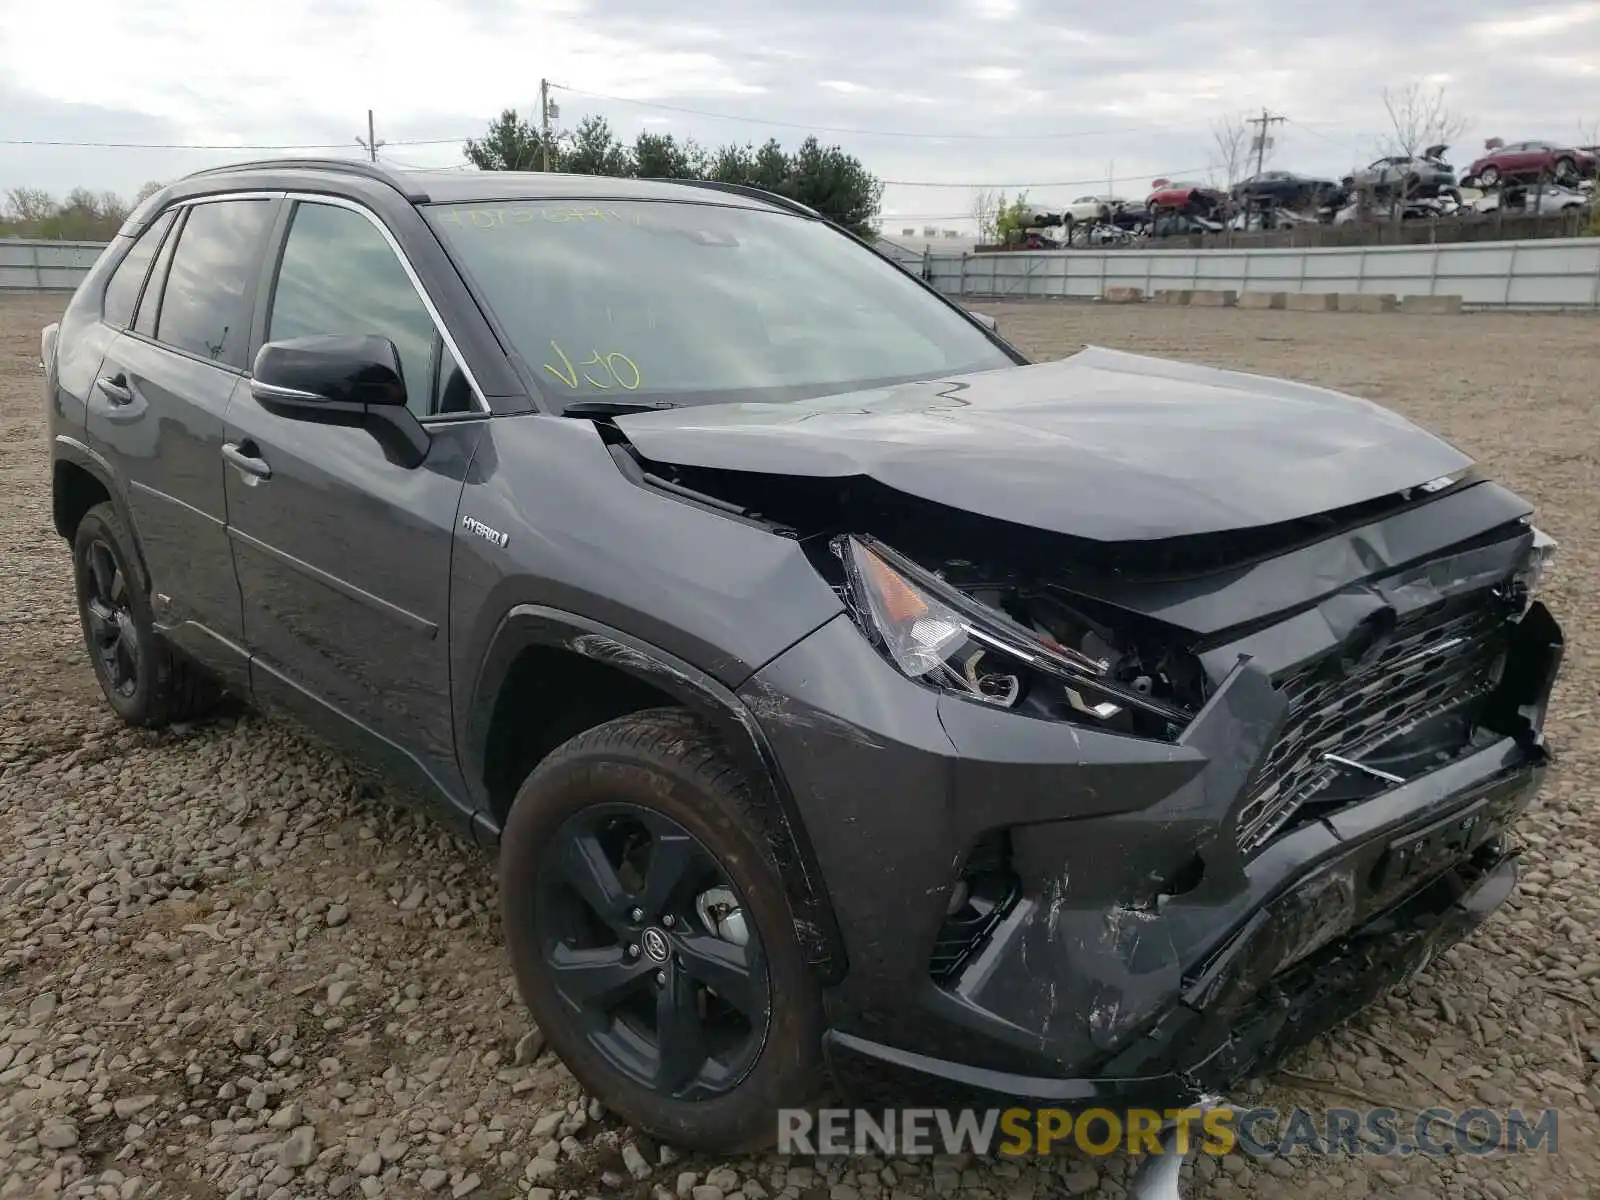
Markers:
648,945
145,683
109,620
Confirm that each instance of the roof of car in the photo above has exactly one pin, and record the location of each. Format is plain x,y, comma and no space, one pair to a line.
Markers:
461,186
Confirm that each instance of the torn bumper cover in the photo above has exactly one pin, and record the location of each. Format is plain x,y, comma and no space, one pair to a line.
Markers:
1137,949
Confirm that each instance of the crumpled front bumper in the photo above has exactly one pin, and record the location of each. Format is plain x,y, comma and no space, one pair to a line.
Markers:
1338,936
1115,976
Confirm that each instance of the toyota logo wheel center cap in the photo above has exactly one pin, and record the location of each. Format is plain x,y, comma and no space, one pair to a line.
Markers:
655,945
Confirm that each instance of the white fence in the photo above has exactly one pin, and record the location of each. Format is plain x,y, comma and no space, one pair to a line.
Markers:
1552,273
31,266
1545,273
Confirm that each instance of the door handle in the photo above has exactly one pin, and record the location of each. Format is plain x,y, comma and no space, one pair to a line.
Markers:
248,463
115,388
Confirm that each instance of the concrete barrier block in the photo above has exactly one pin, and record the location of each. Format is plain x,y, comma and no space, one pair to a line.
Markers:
1173,295
1213,298
1123,295
1313,302
1431,306
1375,302
1262,299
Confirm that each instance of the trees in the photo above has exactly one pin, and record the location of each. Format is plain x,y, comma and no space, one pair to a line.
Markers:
84,216
1012,220
511,144
825,178
1230,140
1419,118
592,149
986,206
661,156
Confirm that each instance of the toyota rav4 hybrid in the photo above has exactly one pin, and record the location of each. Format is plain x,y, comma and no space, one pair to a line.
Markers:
855,706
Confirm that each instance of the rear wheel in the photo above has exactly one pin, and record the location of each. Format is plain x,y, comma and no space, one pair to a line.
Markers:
648,932
1566,171
142,679
1489,177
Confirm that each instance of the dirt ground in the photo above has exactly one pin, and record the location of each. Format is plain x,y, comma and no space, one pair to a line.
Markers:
229,969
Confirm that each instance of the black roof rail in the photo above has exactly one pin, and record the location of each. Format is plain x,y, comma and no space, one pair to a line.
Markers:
345,166
744,189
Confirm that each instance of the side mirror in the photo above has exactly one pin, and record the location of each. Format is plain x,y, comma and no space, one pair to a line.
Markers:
987,321
341,380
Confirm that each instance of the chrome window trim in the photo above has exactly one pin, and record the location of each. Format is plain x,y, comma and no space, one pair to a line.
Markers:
219,197
411,274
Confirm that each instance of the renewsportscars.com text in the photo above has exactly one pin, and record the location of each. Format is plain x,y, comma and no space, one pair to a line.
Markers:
1261,1132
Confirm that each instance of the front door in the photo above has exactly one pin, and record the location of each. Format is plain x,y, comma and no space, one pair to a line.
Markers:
343,556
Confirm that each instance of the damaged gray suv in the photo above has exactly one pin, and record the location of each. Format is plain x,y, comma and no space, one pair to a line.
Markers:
850,701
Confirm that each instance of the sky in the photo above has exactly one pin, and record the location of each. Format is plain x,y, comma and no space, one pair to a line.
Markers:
1054,97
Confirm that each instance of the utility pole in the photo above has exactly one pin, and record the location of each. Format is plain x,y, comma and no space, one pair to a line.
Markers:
546,111
1265,121
370,143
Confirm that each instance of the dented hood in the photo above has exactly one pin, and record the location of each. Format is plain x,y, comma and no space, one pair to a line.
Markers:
1103,445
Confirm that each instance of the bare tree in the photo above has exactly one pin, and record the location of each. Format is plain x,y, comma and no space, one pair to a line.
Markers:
1588,132
1419,118
27,204
986,206
1230,139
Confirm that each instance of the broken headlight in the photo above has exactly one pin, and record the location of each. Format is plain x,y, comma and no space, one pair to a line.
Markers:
1538,565
936,633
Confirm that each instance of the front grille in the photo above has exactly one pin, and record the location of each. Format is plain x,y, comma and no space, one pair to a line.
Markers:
1440,659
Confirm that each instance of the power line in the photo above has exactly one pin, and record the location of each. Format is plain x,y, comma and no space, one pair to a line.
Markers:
896,133
1057,183
455,141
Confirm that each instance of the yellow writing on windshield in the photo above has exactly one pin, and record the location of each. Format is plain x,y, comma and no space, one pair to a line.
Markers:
529,214
616,369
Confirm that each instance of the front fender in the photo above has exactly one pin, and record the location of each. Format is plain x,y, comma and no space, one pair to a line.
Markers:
528,625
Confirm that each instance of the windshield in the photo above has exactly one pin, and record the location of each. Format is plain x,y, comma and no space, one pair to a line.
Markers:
656,302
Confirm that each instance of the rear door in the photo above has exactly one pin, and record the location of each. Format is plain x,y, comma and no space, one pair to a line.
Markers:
343,556
157,410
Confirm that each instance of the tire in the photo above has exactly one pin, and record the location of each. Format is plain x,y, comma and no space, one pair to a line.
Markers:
161,687
667,768
1488,177
1566,171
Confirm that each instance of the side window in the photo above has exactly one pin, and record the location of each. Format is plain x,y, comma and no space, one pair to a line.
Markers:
451,391
144,320
205,307
122,292
339,275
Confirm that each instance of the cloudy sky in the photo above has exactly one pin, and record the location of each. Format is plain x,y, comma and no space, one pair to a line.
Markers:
1054,96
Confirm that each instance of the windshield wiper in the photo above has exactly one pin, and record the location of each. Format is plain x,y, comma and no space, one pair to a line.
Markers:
610,408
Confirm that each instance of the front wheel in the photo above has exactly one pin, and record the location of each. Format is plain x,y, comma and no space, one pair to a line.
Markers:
650,938
1566,171
1489,177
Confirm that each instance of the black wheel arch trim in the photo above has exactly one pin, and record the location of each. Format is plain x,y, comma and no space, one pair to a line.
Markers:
68,449
527,625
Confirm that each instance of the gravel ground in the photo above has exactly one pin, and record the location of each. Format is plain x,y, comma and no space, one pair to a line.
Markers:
230,969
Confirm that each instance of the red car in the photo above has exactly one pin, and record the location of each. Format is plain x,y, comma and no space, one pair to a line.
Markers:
1533,160
1194,198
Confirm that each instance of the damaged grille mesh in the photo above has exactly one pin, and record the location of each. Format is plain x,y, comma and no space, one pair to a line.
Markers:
1440,659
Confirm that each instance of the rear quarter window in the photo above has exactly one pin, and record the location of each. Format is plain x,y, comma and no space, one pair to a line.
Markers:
122,290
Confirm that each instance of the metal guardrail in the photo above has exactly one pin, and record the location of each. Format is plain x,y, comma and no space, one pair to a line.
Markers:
45,266
1544,273
1549,273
